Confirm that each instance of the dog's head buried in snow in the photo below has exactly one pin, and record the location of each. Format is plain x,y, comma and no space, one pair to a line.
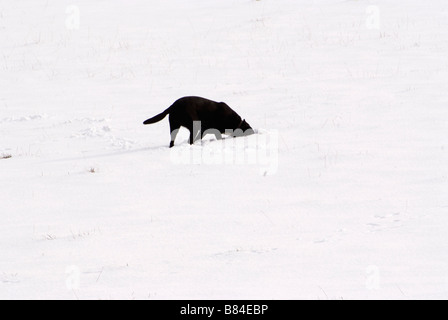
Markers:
202,116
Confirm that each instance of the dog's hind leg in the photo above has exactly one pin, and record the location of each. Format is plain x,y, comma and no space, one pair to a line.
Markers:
174,129
173,136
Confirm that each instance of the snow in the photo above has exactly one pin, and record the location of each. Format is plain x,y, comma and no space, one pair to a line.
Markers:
351,203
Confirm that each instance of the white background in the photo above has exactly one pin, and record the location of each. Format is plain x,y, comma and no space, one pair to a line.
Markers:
93,207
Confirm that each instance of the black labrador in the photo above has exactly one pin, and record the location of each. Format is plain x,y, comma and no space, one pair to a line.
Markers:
202,116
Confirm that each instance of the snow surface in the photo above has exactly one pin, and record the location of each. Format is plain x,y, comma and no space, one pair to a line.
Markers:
93,205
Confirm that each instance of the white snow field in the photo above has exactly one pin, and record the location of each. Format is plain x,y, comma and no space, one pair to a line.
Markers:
350,202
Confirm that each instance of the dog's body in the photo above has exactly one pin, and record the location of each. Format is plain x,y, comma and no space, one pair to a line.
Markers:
214,117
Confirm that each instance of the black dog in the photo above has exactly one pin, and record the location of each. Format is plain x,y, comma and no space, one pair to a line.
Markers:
201,116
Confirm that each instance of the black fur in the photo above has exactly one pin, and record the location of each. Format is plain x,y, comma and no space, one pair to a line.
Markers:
216,117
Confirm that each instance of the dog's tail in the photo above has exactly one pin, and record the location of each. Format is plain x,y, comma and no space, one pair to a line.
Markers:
158,117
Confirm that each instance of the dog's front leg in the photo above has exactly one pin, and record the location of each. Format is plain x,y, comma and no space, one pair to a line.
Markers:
195,132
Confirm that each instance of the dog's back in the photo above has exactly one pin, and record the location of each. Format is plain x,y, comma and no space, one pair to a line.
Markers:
213,115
